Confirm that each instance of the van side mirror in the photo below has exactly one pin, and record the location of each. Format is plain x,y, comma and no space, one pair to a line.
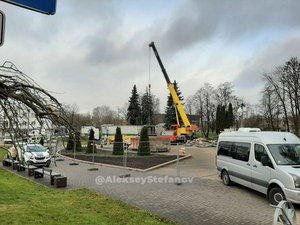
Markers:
264,160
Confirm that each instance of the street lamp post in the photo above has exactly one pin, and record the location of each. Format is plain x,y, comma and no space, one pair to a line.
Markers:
240,112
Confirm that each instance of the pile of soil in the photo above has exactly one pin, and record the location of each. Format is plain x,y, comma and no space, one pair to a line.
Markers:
138,162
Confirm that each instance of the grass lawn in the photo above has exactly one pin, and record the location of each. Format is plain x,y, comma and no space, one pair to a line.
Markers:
25,202
210,135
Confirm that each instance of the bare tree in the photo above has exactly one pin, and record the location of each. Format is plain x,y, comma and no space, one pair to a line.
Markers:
96,117
189,106
271,109
224,94
275,82
205,107
255,117
105,115
291,79
72,115
285,83
123,110
19,94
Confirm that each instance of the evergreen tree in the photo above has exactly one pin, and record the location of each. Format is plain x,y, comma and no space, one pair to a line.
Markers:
134,111
230,117
90,141
144,145
118,143
218,119
222,118
72,140
147,108
170,113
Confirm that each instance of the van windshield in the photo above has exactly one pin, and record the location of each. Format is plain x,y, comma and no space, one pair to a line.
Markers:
286,154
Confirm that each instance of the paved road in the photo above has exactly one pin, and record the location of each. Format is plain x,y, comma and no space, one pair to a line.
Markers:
204,200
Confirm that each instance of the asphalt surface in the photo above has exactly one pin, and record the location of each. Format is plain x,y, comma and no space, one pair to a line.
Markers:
201,198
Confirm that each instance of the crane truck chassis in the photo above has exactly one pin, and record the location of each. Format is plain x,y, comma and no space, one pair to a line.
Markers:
177,133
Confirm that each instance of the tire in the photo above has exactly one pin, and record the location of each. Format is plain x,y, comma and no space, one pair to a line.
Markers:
276,195
225,178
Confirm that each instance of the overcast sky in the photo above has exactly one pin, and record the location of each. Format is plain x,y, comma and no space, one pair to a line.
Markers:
91,53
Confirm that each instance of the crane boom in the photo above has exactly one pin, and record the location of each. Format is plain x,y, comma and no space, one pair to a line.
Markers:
173,92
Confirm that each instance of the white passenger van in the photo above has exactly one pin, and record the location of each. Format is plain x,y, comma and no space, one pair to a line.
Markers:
268,162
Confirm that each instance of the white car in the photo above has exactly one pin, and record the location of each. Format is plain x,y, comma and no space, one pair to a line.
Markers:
34,154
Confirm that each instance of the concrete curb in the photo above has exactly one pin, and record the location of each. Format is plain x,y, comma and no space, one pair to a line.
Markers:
122,167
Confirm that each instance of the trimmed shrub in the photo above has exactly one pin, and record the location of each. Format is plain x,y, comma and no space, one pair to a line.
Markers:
144,146
118,143
90,142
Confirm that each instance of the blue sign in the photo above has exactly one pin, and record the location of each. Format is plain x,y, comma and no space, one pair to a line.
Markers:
42,6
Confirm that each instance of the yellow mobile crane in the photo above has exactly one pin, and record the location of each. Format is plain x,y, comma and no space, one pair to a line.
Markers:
176,132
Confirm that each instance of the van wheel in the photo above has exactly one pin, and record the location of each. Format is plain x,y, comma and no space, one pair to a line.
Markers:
225,178
276,195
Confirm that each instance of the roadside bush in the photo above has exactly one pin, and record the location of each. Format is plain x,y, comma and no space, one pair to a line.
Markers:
118,143
144,146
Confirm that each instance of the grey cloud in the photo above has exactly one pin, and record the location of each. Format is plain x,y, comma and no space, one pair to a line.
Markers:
267,60
199,22
86,44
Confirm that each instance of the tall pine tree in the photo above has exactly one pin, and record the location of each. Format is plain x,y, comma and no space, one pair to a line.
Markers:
147,108
144,144
230,116
224,118
134,110
170,113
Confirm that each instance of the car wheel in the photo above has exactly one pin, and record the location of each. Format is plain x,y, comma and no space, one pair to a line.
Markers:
276,195
225,178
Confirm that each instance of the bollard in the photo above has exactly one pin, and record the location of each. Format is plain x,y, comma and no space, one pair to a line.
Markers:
125,162
74,163
93,168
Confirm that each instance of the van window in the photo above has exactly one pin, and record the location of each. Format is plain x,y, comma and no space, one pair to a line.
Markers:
237,150
259,151
241,151
224,148
285,154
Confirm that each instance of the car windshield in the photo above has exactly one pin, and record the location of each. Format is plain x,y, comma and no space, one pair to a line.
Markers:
285,154
35,148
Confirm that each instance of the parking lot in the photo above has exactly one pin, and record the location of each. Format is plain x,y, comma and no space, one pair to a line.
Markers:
234,201
203,200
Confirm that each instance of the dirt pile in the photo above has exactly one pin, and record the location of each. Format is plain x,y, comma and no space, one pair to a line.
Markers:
202,143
